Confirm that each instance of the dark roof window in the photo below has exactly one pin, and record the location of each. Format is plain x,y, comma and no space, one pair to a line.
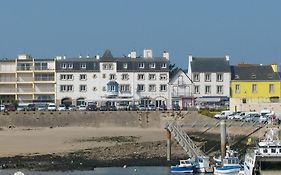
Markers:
253,76
236,76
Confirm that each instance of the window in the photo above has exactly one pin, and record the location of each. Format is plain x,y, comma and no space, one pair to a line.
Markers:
152,88
273,150
63,77
104,88
112,77
152,77
254,88
219,77
152,65
125,88
125,65
264,150
103,76
163,87
253,76
207,77
163,76
70,66
94,76
196,77
105,66
69,77
41,66
219,89
66,88
196,90
236,76
140,87
237,88
95,88
140,76
163,65
141,65
125,76
83,77
83,88
207,89
110,66
83,65
63,66
271,88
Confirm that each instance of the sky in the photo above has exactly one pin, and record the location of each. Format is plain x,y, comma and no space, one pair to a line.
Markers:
247,30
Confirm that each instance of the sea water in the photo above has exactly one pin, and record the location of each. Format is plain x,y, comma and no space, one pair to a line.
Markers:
100,171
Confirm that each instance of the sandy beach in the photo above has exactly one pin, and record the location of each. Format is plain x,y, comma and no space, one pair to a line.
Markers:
24,141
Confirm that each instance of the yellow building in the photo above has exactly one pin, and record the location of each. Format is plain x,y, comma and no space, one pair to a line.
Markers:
254,84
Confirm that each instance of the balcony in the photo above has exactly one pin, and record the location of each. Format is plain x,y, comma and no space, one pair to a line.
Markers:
181,94
44,79
43,68
7,90
5,80
24,69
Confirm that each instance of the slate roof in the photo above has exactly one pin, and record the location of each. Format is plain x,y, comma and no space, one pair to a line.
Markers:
254,73
210,65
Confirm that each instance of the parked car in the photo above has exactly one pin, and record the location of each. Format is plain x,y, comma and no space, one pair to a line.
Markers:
2,108
142,107
52,107
103,108
122,107
112,108
82,108
240,116
176,107
41,107
62,107
231,116
21,108
31,107
162,107
91,107
72,108
251,116
223,115
133,107
151,107
11,108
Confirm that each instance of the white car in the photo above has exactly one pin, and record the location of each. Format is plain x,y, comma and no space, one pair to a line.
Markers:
223,115
62,107
82,108
52,107
2,107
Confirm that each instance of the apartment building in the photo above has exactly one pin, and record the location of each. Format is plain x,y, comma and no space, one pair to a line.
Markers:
128,79
211,79
27,80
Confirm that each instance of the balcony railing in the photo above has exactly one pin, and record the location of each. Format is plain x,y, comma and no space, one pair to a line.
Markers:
7,79
44,79
42,68
25,79
24,68
181,94
8,90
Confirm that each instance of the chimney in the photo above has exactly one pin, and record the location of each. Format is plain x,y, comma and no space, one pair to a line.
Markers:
98,56
227,57
64,57
80,56
166,55
147,53
133,54
88,56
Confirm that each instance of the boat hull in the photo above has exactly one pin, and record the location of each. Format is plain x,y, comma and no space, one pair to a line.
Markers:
227,170
177,169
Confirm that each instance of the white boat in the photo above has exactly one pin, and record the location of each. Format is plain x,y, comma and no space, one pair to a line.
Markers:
185,166
266,156
230,164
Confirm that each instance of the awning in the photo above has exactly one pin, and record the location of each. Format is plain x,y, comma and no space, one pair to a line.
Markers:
210,99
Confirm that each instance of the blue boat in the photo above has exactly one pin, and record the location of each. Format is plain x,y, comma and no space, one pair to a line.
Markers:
185,166
230,163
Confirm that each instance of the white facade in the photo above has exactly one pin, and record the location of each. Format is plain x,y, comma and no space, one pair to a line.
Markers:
211,78
112,83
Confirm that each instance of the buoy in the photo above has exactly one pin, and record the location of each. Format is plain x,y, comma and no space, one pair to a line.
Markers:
135,169
125,166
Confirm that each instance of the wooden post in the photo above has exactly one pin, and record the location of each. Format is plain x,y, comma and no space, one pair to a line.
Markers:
168,136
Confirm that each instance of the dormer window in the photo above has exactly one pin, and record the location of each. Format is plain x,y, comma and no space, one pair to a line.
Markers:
63,66
125,65
253,76
236,76
141,65
83,65
152,65
269,76
70,66
163,65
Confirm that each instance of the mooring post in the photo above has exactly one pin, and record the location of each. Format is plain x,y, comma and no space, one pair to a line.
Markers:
168,135
223,139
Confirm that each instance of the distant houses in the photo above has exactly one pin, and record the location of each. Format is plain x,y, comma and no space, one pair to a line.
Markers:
142,80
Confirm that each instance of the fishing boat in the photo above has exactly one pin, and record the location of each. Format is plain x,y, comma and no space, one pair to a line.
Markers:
230,164
185,166
266,156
